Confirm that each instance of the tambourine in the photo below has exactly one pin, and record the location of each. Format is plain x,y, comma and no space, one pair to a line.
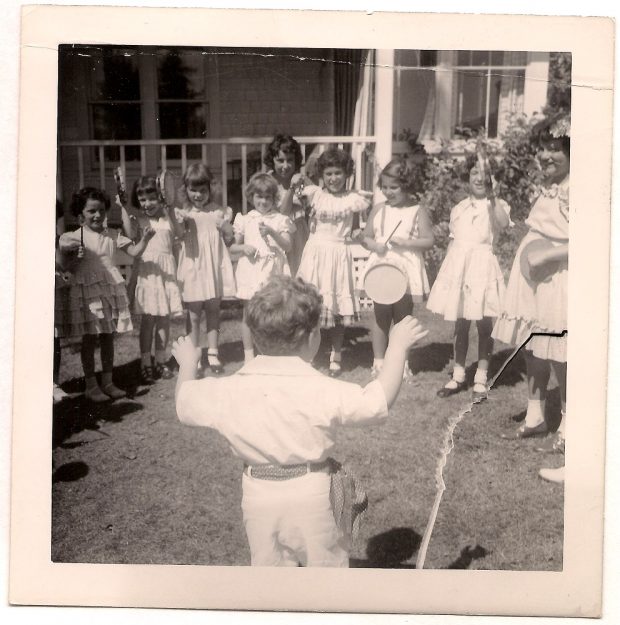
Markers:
385,280
166,187
540,273
119,178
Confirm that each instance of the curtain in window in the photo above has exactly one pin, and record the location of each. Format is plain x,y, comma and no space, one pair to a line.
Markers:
347,76
511,90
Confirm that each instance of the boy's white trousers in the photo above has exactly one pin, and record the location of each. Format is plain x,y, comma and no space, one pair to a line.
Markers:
290,522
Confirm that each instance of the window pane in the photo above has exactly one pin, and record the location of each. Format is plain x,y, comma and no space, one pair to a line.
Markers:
182,120
497,58
471,99
506,98
464,58
115,75
117,122
428,58
480,57
180,76
407,58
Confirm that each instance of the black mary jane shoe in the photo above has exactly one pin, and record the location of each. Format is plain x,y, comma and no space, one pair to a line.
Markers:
524,431
447,392
147,375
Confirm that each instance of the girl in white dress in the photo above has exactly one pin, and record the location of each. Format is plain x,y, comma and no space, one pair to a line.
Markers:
262,236
205,270
327,261
156,296
470,284
97,302
538,305
412,234
284,159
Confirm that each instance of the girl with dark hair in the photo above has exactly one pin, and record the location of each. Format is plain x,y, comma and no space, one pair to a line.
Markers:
98,298
157,297
536,298
470,285
284,160
327,261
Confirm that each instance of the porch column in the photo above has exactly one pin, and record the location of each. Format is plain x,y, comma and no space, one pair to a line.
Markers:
445,102
384,106
536,82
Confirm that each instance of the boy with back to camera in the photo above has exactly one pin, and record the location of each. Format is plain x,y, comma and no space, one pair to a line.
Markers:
280,416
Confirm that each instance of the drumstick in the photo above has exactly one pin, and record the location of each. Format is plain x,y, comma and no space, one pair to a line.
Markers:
392,233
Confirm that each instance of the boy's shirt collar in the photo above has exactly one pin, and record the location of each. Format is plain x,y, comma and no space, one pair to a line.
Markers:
278,365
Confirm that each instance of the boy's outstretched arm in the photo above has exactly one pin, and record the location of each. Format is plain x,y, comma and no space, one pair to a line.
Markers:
403,336
187,355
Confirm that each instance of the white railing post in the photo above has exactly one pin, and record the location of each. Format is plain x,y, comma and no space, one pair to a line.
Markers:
101,167
384,107
224,176
244,177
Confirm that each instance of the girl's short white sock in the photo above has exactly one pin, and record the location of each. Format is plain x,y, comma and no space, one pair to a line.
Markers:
481,376
160,356
562,426
535,414
145,359
213,355
248,354
458,375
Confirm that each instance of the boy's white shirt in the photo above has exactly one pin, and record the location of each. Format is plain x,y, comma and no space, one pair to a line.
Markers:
279,409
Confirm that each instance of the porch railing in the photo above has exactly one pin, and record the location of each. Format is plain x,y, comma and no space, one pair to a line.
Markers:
92,159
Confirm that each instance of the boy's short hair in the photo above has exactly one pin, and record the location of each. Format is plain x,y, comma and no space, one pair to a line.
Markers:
282,314
263,184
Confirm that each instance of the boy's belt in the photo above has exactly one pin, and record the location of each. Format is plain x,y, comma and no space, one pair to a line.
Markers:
285,471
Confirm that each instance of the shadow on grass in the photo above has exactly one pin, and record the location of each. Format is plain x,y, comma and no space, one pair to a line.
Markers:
468,555
70,472
76,414
390,550
431,357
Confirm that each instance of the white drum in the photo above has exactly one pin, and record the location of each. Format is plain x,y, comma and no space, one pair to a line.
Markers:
385,280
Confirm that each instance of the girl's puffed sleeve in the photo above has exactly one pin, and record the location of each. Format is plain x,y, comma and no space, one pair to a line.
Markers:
239,225
359,203
122,241
310,191
506,208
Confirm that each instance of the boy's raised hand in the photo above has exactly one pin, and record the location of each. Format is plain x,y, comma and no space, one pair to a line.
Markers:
407,332
185,352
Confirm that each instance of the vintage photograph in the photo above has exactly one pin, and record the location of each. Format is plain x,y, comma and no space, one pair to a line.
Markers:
311,310
188,178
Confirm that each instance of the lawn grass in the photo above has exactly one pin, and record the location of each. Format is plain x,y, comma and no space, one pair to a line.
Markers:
131,484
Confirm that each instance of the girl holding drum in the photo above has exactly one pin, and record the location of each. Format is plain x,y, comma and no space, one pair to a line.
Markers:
536,297
397,233
470,285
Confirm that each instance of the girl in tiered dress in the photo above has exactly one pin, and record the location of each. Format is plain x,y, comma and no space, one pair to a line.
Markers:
327,261
98,304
